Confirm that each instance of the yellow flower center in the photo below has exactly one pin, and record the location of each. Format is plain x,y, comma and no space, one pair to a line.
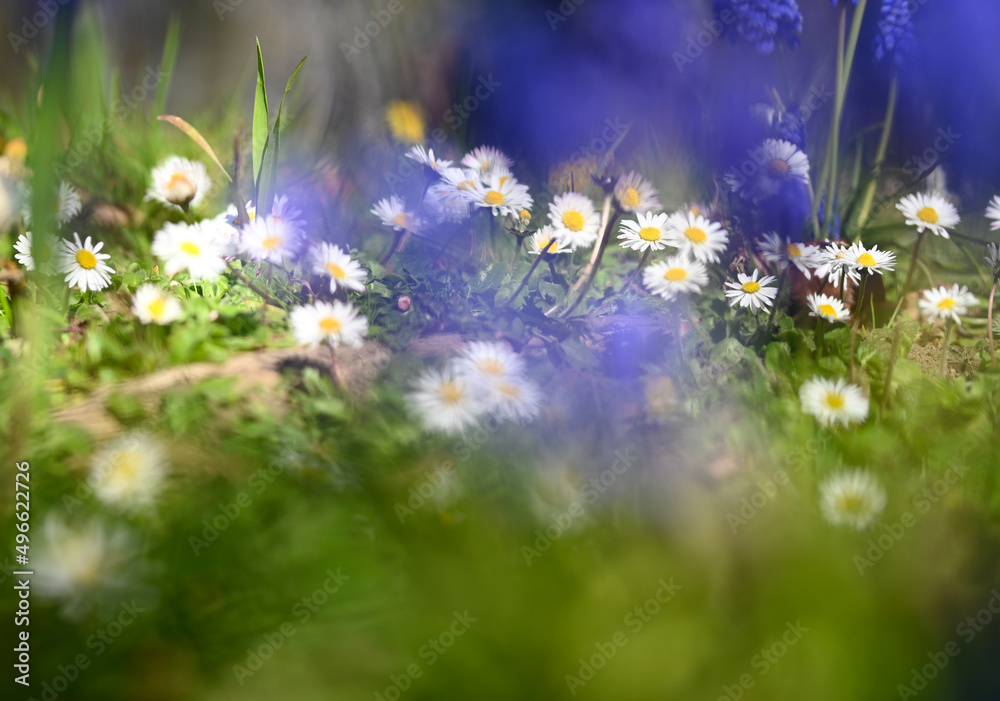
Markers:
485,166
503,179
827,310
180,180
573,220
946,303
335,271
928,214
751,287
399,220
272,242
493,198
329,325
525,215
835,400
157,307
675,274
630,198
695,211
867,260
850,503
695,235
778,168
190,248
451,392
466,185
123,468
794,251
510,391
86,259
649,233
491,365
543,244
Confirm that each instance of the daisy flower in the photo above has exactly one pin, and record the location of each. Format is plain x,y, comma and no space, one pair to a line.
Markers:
751,291
486,158
334,324
503,194
425,157
946,303
463,180
392,212
833,401
445,401
574,219
827,307
196,248
84,264
777,162
514,398
780,253
343,270
151,305
852,498
993,213
67,203
647,233
75,563
446,204
282,210
675,276
269,239
40,258
541,241
179,182
857,259
488,361
833,264
129,472
697,237
932,212
634,193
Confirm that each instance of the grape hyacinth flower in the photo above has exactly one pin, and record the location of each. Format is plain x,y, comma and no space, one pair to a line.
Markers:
761,23
895,31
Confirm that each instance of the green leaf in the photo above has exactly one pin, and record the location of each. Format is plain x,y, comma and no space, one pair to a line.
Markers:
167,61
261,121
267,183
196,137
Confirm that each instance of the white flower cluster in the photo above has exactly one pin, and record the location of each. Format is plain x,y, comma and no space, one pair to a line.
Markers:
486,378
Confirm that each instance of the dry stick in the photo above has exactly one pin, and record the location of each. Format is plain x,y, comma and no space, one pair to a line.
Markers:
597,264
598,250
989,324
944,347
531,270
338,377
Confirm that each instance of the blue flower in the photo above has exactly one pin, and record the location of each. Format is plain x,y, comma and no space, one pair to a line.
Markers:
895,31
760,23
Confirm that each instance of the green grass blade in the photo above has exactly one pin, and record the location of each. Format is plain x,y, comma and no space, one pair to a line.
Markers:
261,120
170,46
267,183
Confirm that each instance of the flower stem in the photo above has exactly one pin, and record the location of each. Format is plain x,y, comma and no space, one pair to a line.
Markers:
638,268
531,270
893,354
858,307
820,337
989,325
883,144
944,347
913,264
